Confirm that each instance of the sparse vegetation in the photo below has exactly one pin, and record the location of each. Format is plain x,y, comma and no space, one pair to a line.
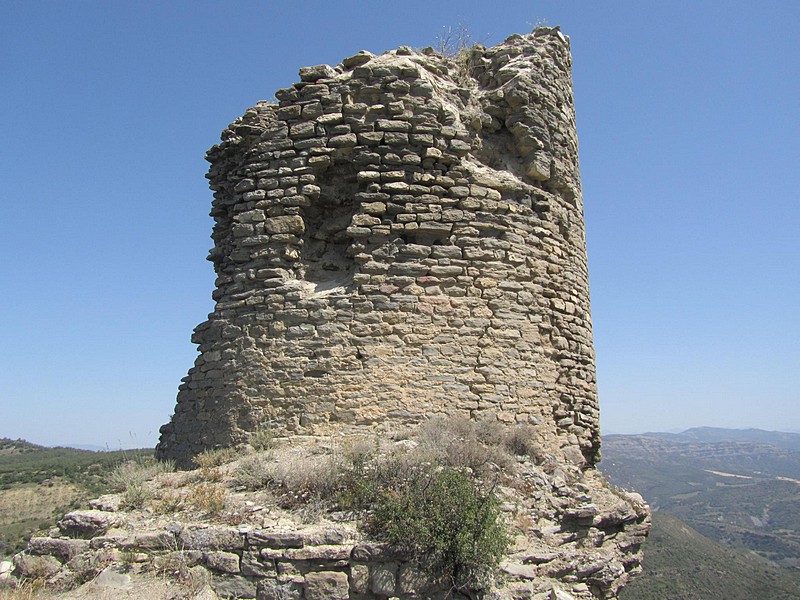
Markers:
262,440
209,459
168,503
207,498
27,590
453,40
431,497
38,485
209,462
131,478
255,472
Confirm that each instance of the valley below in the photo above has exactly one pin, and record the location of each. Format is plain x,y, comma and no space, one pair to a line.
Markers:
726,505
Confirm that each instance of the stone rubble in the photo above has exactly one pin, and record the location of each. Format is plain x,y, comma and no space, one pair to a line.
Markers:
574,538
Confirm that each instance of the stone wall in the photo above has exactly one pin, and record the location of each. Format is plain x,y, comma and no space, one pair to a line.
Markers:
400,236
574,539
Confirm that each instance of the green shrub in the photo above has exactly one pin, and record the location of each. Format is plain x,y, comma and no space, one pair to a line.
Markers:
445,518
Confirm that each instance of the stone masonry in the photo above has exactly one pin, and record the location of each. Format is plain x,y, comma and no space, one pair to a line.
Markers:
400,236
575,539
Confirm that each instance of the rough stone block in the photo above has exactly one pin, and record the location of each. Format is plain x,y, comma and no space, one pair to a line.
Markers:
36,567
62,548
86,523
285,224
210,538
317,72
226,562
327,585
265,538
234,587
383,578
279,590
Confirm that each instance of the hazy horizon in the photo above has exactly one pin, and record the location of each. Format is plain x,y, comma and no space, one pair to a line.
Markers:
119,446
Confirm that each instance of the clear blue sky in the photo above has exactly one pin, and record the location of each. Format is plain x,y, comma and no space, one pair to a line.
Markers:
689,127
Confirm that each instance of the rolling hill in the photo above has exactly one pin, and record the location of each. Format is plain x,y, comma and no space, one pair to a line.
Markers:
682,564
738,488
38,484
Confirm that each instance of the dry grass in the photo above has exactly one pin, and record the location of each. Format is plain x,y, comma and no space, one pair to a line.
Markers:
168,503
206,498
27,590
322,477
301,479
255,472
132,479
32,501
209,459
210,462
262,440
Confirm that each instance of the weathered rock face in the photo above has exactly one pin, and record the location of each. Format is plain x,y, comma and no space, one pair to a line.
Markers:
400,236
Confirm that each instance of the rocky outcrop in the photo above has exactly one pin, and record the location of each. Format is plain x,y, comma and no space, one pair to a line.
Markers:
400,236
572,538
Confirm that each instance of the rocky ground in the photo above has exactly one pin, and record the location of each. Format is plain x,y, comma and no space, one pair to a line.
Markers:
265,524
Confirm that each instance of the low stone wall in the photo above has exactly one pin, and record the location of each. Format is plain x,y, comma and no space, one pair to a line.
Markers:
573,538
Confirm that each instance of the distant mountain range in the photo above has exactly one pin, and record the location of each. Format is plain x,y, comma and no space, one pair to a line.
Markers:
781,439
738,488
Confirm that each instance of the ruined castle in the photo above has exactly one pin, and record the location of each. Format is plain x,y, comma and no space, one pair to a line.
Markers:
400,236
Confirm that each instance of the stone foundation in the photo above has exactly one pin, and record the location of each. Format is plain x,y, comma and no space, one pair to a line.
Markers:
573,538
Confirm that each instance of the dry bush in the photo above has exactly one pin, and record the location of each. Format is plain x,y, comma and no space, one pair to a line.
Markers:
132,477
255,472
209,462
207,498
262,440
313,480
208,459
519,440
301,479
26,590
362,449
454,40
169,503
490,431
524,522
460,443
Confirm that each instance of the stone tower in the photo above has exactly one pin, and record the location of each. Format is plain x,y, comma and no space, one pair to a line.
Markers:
400,236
